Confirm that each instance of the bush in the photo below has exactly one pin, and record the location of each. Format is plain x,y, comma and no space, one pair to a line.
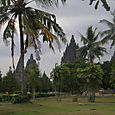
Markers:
19,99
4,97
37,95
15,98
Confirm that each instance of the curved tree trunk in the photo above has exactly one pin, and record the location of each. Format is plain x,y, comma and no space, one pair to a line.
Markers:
23,87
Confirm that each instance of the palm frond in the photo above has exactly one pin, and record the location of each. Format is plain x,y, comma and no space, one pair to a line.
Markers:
109,24
106,38
99,51
9,30
83,39
3,19
83,51
113,13
89,33
96,37
37,20
94,32
113,42
105,32
49,3
9,33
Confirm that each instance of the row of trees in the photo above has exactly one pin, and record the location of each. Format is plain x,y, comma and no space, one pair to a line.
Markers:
69,78
82,77
84,74
35,82
32,23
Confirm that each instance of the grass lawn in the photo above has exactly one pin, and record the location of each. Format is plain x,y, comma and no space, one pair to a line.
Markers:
49,106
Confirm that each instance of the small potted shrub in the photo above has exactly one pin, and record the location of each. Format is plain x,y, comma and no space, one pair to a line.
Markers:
74,99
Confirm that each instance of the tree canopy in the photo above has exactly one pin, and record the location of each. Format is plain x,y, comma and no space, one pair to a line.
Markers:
92,74
91,48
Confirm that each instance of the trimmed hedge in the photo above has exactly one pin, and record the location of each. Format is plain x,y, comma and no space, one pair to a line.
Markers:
14,98
37,95
19,98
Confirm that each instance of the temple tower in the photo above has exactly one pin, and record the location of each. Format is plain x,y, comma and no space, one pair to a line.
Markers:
69,55
17,72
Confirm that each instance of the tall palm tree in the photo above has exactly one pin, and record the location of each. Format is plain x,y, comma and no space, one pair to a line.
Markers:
32,23
109,34
92,74
91,48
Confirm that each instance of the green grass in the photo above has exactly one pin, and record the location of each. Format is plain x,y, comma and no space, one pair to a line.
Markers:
49,106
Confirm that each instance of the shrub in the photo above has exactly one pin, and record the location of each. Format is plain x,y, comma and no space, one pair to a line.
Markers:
4,97
37,95
15,98
19,99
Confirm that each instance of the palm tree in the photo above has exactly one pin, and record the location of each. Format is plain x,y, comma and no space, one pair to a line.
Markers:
92,74
32,23
109,34
91,48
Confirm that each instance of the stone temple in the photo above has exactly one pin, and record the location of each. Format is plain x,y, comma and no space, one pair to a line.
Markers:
70,55
18,68
31,61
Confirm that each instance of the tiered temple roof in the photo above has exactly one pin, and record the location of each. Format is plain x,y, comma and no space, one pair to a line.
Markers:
18,68
69,55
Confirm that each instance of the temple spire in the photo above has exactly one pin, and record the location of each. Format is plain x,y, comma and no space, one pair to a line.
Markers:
69,55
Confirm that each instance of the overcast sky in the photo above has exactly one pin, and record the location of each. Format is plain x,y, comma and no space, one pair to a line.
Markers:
74,17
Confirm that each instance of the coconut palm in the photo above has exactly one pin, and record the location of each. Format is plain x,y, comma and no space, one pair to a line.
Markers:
92,74
32,24
91,48
109,34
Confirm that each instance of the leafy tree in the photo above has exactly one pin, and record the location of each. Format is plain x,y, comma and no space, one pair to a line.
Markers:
91,48
73,84
65,77
59,74
32,23
45,83
106,67
9,83
109,34
65,80
33,77
92,74
0,81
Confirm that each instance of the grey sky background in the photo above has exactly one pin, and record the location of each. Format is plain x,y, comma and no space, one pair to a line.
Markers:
74,17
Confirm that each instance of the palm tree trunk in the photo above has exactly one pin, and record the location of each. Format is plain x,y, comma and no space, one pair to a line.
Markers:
23,87
34,92
91,93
